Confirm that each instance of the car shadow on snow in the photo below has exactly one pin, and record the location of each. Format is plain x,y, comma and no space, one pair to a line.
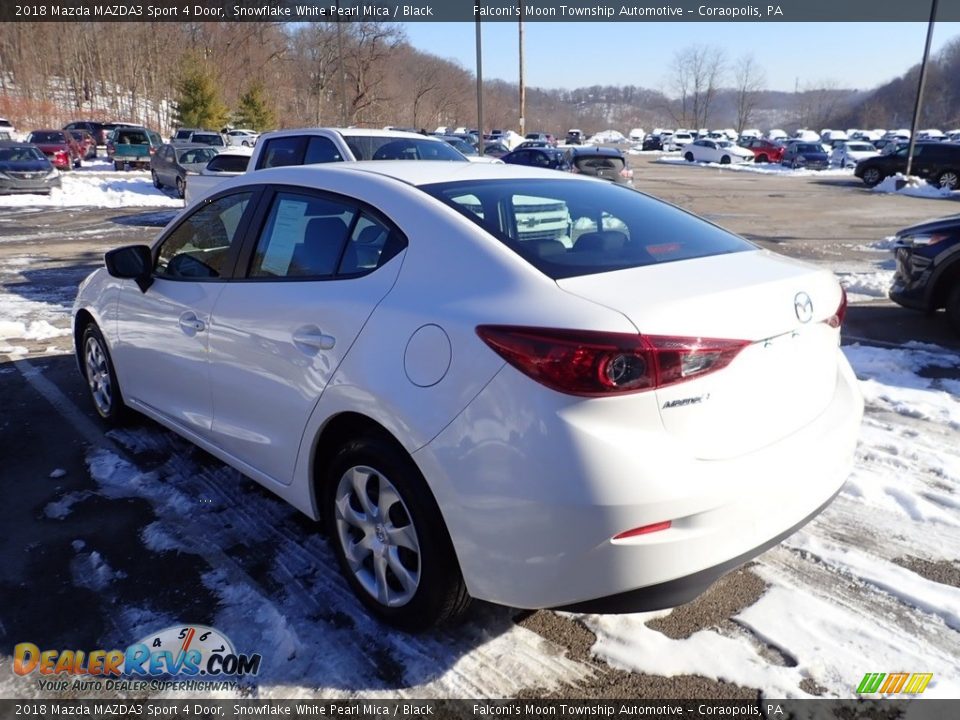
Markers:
146,531
55,285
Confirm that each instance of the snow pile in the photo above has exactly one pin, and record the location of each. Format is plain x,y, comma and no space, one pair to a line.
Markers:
760,168
36,330
98,189
841,598
913,186
865,286
607,136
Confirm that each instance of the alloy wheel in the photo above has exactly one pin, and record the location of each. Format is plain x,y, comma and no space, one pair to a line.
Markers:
376,532
98,376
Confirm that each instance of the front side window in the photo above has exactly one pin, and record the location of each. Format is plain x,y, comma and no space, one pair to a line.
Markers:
572,228
198,247
375,147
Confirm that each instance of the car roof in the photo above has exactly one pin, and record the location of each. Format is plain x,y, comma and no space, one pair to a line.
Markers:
357,132
412,172
597,150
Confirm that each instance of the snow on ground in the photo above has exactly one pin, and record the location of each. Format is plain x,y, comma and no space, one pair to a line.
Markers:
914,187
98,189
761,168
862,286
839,601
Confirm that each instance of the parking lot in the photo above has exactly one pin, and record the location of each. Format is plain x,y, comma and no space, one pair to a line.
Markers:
112,535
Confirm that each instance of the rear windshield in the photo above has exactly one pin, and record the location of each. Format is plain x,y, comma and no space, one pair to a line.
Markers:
372,147
593,164
571,228
229,163
47,137
132,137
207,139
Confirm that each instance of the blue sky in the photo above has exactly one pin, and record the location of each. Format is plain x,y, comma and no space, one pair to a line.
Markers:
569,55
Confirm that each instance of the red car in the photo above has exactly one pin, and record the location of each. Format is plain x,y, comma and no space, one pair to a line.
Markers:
764,150
87,143
58,145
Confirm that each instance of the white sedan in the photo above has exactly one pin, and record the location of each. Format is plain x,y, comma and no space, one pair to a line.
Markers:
242,138
605,424
716,151
848,154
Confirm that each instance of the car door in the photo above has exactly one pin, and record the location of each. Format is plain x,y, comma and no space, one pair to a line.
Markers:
314,274
162,345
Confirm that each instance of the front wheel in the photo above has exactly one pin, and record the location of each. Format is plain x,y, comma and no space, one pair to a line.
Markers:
725,160
389,538
762,159
689,157
101,377
181,187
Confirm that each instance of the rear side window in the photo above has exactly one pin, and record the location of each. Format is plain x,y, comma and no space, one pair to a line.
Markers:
572,228
282,151
228,163
373,147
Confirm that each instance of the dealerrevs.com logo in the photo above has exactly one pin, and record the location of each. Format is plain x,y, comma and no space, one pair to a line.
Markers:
899,683
179,657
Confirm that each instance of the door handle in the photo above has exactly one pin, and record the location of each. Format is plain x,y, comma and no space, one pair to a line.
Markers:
191,324
314,338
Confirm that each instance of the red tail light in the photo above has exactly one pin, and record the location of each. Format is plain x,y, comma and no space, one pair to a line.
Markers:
597,364
836,320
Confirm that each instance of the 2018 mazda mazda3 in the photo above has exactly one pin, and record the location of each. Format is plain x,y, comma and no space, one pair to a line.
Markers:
606,419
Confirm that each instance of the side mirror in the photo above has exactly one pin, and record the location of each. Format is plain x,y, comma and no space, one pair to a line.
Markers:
131,262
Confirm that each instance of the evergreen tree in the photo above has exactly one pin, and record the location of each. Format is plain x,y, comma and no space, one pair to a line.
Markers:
198,97
253,112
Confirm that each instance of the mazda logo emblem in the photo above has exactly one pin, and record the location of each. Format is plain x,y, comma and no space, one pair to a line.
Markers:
803,307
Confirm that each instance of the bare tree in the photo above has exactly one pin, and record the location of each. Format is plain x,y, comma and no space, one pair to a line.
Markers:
750,80
697,71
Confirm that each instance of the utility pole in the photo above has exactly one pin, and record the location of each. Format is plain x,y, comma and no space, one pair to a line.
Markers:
343,71
480,143
523,88
923,81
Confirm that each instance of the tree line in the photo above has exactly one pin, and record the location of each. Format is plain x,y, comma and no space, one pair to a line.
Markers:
271,75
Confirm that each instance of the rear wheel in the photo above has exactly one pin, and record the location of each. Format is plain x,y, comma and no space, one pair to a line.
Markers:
871,177
949,180
953,308
101,377
156,179
389,537
118,166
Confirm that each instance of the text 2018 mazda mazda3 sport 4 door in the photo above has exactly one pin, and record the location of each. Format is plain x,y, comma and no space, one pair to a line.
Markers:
604,420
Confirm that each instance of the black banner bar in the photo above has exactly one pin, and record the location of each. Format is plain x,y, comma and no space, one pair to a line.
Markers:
859,11
189,709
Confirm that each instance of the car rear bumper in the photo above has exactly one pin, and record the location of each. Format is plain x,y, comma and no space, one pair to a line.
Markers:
534,492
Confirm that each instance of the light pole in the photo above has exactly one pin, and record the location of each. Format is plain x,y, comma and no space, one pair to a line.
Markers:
480,145
923,81
523,87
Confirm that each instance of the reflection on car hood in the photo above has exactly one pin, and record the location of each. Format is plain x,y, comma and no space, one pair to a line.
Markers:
950,224
25,166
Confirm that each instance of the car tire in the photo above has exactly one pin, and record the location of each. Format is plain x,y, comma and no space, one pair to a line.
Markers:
181,187
245,143
948,180
953,308
156,179
389,538
688,157
725,160
872,177
762,159
118,166
101,377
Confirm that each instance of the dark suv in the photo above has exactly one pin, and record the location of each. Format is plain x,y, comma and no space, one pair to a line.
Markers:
94,128
935,162
928,268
